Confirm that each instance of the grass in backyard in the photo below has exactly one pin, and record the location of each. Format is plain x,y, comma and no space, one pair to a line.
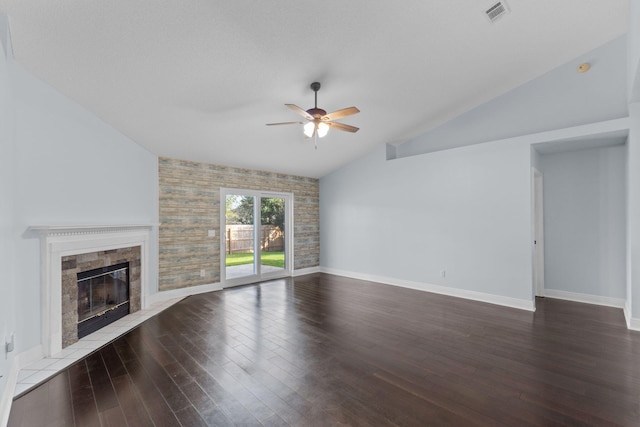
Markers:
275,259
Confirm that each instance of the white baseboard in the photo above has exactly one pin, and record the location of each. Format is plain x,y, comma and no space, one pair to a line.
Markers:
183,292
585,298
633,323
305,271
20,361
521,304
7,395
201,289
627,314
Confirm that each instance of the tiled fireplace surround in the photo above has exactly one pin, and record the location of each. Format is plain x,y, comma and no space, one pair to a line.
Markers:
66,250
74,264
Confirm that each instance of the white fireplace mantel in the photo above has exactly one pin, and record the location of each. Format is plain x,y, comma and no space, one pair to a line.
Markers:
64,240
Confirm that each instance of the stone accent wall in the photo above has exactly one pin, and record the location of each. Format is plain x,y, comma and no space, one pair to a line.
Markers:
190,206
74,264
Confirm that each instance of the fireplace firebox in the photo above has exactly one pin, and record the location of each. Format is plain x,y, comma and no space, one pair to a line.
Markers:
103,297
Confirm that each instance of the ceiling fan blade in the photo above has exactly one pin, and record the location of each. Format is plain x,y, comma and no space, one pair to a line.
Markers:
285,123
300,111
341,113
342,126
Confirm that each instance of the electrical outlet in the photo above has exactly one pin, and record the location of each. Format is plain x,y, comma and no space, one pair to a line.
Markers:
443,273
202,273
211,233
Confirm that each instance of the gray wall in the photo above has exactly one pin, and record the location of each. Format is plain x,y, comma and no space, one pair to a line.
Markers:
585,221
466,211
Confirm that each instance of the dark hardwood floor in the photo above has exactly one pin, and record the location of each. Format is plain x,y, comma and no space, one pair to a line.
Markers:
324,350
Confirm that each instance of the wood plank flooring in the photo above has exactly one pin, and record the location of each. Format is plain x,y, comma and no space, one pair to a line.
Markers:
322,350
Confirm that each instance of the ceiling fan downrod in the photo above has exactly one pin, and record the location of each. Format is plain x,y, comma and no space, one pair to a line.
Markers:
315,87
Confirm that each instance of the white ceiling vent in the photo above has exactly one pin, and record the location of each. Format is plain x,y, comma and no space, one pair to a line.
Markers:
497,11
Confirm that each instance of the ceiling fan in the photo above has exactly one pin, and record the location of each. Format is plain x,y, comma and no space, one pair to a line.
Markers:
318,121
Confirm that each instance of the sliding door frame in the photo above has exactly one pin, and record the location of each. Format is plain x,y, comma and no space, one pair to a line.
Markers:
257,231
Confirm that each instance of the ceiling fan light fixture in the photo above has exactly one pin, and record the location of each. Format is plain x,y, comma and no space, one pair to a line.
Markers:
323,129
309,129
316,126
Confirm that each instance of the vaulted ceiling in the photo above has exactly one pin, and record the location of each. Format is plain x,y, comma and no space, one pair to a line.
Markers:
199,79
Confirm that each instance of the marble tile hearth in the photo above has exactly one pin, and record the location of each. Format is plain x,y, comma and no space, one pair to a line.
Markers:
45,368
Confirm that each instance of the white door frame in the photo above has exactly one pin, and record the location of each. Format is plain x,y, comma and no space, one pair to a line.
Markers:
537,206
288,236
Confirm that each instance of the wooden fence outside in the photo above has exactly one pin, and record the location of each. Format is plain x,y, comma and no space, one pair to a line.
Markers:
240,239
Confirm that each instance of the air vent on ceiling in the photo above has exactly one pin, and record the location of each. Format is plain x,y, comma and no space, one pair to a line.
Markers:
496,11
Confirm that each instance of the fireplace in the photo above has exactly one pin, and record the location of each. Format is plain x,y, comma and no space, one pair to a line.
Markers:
103,297
67,250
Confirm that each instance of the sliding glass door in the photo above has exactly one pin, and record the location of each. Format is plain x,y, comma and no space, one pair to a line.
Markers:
272,235
256,230
240,237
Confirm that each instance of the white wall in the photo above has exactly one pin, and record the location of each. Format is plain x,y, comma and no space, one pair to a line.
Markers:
633,52
7,284
478,229
535,158
70,168
633,216
585,221
466,211
558,99
632,309
59,164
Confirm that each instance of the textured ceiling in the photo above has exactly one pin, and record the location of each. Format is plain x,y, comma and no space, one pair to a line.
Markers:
198,79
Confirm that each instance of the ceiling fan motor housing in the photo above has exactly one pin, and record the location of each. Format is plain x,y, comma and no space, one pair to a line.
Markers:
317,113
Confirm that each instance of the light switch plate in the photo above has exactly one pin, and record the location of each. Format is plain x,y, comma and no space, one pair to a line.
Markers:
9,344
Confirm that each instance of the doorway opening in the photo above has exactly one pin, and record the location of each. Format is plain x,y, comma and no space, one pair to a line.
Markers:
538,232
